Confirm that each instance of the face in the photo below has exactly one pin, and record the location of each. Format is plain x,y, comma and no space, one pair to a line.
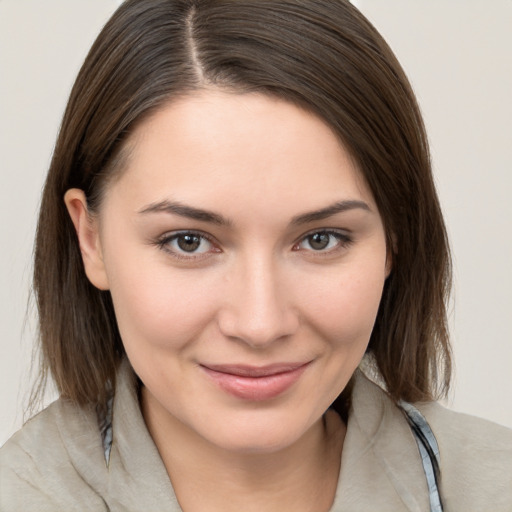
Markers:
246,260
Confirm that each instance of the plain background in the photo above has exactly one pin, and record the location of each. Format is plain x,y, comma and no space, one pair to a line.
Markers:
458,55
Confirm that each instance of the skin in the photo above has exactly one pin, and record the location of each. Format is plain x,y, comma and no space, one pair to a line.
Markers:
255,291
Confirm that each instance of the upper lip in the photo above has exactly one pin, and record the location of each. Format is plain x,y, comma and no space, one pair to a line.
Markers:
243,370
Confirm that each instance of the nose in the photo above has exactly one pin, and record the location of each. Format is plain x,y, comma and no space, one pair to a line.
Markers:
257,308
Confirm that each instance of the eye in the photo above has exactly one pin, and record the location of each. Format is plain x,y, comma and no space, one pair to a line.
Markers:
187,244
323,241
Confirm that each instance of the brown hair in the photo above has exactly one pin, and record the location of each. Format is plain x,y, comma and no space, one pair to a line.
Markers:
322,55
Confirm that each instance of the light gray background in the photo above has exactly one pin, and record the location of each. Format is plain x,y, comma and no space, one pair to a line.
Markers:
458,55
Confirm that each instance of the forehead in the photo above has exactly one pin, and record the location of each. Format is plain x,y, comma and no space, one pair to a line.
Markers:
250,148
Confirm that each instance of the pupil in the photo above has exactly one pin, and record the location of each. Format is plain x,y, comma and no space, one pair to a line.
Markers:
319,241
189,243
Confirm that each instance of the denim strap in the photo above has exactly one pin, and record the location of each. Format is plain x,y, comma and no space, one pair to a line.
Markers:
429,451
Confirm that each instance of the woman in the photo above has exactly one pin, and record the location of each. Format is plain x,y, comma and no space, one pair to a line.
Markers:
241,270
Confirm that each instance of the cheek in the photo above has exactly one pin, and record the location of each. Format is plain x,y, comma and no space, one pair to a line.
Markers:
158,306
343,305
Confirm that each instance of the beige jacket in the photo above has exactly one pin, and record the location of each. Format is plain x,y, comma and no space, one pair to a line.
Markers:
56,462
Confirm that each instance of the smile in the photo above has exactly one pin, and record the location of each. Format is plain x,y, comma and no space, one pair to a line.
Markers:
255,383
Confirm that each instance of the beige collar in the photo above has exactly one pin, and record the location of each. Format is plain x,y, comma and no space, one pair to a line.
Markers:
380,466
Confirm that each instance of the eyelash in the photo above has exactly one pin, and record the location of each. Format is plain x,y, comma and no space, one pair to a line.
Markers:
164,242
343,239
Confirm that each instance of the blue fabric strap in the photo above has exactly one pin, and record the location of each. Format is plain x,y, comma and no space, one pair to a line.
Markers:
105,425
429,451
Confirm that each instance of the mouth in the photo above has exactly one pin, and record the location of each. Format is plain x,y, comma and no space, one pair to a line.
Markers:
255,383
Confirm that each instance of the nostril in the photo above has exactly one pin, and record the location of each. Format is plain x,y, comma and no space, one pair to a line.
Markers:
255,330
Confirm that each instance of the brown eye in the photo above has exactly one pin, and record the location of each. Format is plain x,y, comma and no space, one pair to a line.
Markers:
319,241
324,241
188,243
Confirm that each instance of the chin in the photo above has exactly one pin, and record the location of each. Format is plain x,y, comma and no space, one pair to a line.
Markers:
254,436
259,445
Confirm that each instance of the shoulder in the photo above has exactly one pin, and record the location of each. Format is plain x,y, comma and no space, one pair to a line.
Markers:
476,459
44,465
475,454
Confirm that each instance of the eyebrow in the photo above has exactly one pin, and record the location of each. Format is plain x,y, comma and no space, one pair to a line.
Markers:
189,212
329,211
199,214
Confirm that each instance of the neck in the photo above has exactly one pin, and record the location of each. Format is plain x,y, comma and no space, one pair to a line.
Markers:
302,476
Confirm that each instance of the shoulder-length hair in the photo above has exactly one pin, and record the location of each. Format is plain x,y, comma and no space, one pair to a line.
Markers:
319,54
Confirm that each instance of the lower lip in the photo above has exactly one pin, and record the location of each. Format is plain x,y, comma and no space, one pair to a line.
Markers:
256,389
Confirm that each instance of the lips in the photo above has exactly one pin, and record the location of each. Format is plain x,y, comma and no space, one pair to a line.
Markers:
255,383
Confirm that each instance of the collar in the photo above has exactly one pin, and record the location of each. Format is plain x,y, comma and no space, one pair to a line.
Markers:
380,465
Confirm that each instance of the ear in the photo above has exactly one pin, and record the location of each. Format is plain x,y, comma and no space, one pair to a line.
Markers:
87,231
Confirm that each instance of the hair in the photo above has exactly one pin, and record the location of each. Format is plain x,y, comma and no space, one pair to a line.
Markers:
321,55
